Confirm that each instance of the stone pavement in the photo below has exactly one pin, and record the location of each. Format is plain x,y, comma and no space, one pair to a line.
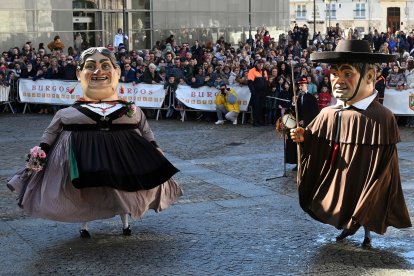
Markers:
231,220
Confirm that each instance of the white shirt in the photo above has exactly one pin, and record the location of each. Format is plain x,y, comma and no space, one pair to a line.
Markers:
103,109
362,104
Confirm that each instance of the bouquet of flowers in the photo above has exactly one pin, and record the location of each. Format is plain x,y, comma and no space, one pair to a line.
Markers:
35,160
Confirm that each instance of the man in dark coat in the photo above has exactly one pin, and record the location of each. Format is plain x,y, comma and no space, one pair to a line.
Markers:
349,175
257,82
307,104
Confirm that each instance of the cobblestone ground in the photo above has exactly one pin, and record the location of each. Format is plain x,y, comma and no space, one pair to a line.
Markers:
235,218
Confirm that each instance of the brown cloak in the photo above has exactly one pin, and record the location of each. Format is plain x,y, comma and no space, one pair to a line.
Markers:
361,185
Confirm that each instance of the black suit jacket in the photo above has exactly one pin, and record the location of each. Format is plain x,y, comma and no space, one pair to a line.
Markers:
308,108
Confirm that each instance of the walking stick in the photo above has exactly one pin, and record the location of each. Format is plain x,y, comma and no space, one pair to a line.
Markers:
284,150
298,148
284,153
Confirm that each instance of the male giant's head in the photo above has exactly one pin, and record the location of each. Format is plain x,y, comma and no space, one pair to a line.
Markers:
352,69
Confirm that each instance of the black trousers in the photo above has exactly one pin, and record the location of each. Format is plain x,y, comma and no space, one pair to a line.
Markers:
258,103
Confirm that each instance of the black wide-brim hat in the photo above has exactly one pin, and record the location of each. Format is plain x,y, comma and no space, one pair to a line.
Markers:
352,51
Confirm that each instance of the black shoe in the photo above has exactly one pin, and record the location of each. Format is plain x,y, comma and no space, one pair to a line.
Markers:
84,234
295,168
127,231
345,233
366,242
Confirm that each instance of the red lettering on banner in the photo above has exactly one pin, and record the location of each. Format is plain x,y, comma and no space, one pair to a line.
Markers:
33,87
61,88
47,88
209,94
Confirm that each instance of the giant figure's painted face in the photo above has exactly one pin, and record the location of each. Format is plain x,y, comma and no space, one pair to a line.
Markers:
344,80
99,78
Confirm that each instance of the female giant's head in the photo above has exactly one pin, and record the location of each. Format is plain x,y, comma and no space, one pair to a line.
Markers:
98,73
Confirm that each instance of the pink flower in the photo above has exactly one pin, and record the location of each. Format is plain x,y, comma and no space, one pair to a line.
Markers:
35,160
34,150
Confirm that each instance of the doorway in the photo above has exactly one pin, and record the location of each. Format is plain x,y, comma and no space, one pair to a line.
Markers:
393,19
86,24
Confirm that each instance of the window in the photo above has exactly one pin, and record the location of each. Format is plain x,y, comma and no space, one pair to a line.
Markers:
301,11
331,11
360,10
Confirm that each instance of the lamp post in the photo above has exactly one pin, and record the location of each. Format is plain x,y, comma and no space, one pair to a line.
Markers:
250,22
314,17
124,24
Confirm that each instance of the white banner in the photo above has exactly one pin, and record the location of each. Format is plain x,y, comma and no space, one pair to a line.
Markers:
61,92
203,98
400,102
4,93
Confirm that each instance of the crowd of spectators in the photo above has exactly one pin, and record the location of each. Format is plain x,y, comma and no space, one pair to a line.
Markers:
218,62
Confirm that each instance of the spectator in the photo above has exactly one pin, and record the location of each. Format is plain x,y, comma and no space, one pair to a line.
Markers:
266,39
325,82
40,73
29,72
324,97
234,77
55,71
17,69
128,74
119,38
177,71
312,87
257,81
11,80
151,76
396,78
306,103
227,104
410,84
170,99
197,80
69,69
285,95
197,51
271,101
3,80
138,76
56,44
380,84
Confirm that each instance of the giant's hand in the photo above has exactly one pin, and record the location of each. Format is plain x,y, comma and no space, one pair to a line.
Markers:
297,134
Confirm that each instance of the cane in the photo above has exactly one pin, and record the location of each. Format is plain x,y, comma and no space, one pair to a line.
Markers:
299,150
